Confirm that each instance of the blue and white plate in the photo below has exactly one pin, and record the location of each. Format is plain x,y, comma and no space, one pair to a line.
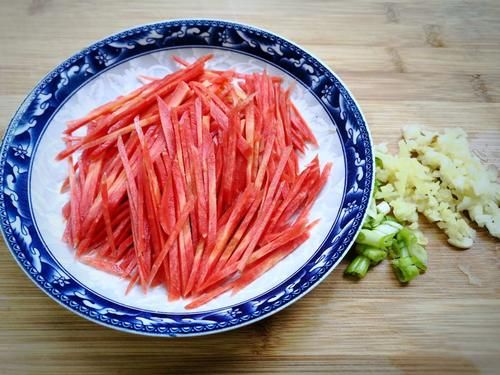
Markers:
30,178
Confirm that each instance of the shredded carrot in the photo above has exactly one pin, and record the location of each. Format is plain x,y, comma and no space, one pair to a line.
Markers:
191,182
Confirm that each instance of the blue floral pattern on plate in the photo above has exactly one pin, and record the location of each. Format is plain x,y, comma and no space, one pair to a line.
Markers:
34,114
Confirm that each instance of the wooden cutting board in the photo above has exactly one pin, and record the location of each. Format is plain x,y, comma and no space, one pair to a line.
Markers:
436,63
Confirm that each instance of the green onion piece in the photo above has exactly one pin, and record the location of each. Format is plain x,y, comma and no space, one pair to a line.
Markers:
380,237
389,219
399,250
404,269
406,244
375,255
358,267
419,256
377,220
407,236
374,238
390,226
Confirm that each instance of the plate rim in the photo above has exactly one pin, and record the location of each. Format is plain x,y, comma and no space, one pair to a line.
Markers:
164,24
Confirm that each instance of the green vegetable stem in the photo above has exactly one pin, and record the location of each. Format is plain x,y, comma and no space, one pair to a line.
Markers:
358,267
381,237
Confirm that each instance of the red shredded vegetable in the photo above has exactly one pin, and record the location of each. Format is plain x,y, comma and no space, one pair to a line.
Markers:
191,182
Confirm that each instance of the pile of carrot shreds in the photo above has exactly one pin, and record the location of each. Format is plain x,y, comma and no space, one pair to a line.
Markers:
191,181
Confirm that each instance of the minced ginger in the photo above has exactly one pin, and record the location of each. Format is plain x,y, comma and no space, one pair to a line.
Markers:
437,175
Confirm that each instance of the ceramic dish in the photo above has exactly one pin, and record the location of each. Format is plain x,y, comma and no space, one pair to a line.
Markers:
30,203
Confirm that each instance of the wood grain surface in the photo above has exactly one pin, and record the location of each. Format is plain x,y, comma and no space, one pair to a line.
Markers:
436,63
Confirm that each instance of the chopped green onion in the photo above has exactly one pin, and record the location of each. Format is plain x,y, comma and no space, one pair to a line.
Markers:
406,245
375,255
391,219
419,256
399,249
404,269
382,236
358,267
379,237
389,226
407,236
374,238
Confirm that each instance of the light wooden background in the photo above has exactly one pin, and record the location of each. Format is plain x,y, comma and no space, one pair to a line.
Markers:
432,62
